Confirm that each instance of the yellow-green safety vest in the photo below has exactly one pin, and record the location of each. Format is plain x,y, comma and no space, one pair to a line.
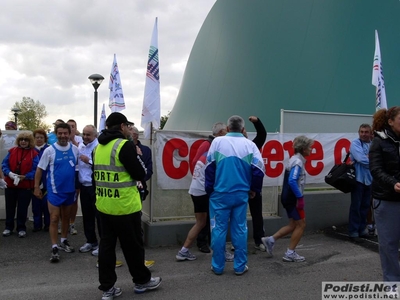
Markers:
116,191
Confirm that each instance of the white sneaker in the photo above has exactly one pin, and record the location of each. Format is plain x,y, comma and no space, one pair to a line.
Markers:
111,293
268,245
72,230
22,234
6,232
185,256
95,252
246,268
293,257
260,247
87,247
229,257
152,284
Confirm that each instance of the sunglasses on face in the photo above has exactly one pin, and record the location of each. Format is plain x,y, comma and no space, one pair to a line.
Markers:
24,140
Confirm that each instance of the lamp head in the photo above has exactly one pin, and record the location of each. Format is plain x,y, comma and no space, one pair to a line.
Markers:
96,80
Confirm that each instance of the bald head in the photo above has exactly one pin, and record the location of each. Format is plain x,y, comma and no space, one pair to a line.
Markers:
89,134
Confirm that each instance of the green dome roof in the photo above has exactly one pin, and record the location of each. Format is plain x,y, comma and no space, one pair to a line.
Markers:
257,57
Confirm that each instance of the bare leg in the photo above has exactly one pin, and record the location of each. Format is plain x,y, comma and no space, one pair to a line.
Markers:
54,218
297,233
284,231
66,213
74,208
201,220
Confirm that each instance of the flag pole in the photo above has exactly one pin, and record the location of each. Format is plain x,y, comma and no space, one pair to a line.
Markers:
151,133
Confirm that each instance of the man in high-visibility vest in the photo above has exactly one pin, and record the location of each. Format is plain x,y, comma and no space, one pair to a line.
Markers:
117,167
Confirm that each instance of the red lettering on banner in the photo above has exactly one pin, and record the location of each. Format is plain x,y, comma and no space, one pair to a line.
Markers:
318,154
193,151
337,151
177,156
273,152
288,146
168,158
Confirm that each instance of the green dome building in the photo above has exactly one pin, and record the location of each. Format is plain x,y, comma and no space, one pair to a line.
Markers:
256,57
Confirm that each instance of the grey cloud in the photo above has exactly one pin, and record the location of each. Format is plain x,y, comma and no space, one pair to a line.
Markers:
49,48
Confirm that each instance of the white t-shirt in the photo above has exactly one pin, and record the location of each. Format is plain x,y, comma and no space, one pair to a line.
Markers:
78,139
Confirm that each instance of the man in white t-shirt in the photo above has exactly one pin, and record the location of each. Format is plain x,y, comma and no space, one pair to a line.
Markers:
60,161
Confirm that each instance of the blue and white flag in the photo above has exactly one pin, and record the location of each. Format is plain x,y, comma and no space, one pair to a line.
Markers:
151,102
102,123
377,76
117,102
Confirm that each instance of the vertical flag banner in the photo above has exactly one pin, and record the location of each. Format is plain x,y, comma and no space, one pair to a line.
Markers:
117,102
102,123
151,102
377,76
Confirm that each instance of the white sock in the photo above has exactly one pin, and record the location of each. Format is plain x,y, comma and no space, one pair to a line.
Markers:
63,239
184,249
289,251
54,246
272,239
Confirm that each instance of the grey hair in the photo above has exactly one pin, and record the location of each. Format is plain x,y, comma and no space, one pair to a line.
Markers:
365,125
235,123
301,143
217,127
96,133
135,130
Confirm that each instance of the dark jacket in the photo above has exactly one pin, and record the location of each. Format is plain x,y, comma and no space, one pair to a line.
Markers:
146,157
127,155
261,135
384,164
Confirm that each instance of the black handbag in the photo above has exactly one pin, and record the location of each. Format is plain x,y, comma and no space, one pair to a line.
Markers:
342,176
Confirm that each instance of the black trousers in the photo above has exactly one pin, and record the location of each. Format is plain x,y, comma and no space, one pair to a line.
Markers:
126,228
89,213
204,237
255,206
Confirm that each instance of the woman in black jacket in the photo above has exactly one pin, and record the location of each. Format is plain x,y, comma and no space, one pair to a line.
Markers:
384,163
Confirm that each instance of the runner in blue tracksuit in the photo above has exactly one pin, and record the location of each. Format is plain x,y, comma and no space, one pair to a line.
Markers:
234,170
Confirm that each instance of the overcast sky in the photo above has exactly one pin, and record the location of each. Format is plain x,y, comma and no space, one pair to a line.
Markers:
49,48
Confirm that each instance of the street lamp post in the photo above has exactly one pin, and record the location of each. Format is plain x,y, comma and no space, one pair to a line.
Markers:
16,110
96,80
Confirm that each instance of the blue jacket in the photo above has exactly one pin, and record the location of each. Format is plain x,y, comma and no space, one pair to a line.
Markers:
359,156
234,163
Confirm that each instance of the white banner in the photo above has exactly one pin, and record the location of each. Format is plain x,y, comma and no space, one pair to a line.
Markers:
174,151
103,118
116,99
377,76
151,101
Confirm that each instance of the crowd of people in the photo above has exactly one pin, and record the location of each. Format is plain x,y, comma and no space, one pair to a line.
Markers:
109,171
52,170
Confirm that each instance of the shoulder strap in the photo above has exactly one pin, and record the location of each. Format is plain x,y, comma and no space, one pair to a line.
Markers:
347,157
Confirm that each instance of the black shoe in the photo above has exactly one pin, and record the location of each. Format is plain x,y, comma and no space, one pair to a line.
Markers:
37,229
55,257
205,249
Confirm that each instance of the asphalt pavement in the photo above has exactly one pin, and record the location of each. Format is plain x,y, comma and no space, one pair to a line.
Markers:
26,272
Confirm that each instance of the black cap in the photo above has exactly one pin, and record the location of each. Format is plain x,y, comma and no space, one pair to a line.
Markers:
117,118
